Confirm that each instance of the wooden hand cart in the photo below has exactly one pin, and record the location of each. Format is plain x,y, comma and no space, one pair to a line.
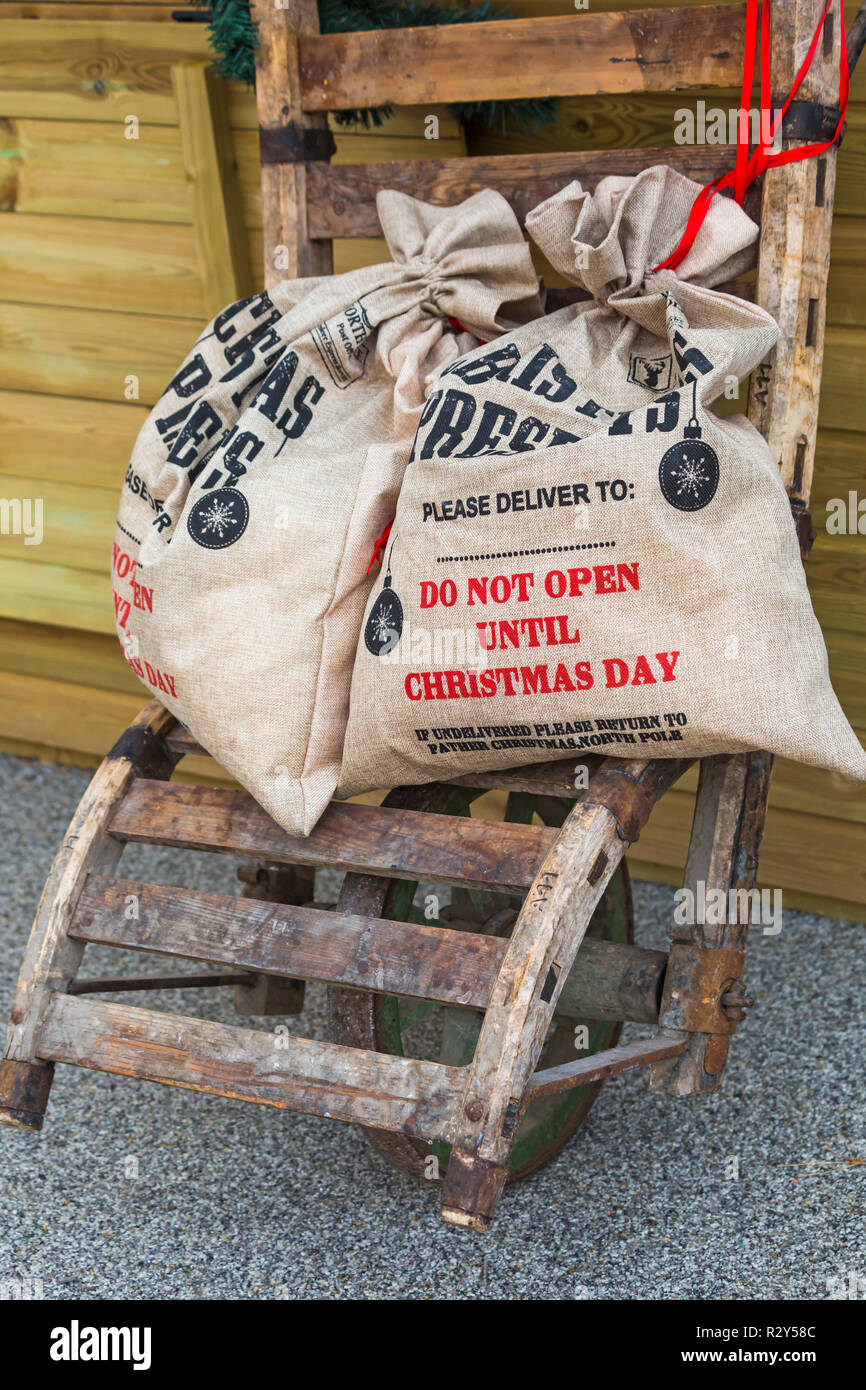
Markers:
538,937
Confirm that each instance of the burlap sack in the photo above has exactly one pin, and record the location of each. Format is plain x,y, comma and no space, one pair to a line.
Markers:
263,477
584,558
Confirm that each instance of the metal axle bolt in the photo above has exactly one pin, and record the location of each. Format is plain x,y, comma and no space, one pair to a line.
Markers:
735,1001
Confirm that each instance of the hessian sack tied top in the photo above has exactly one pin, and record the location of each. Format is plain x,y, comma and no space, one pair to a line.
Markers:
584,557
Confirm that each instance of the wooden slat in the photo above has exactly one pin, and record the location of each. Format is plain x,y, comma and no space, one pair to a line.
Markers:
69,722
55,594
840,464
77,522
64,439
851,182
647,50
845,302
183,742
837,586
91,263
314,1078
652,118
88,658
602,1065
351,950
343,197
798,787
209,163
90,169
94,70
366,839
843,401
309,943
804,854
96,9
91,353
60,715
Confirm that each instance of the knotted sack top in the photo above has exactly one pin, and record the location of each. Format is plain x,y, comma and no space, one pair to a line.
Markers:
609,241
469,262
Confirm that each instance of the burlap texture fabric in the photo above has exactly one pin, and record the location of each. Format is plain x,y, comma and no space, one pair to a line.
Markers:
263,477
585,556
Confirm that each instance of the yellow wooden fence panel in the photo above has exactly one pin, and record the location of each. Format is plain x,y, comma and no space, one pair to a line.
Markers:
104,288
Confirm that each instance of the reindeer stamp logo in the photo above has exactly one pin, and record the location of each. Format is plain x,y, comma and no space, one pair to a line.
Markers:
655,373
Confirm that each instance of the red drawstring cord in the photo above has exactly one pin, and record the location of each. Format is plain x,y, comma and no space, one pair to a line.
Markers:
750,166
461,327
746,100
380,546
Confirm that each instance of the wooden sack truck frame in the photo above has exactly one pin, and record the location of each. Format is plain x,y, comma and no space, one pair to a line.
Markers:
506,981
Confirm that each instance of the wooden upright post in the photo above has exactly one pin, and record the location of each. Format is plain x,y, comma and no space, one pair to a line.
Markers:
794,258
289,140
797,215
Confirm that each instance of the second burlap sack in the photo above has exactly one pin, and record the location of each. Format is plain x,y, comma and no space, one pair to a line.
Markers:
584,557
263,477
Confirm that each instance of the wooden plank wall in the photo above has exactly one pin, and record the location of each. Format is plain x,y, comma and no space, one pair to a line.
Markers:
102,278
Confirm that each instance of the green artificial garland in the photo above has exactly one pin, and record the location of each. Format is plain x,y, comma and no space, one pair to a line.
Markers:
232,36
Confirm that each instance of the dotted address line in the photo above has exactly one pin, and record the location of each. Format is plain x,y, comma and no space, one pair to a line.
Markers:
513,554
128,533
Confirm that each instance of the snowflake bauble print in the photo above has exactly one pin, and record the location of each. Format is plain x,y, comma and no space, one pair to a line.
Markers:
385,622
689,475
219,518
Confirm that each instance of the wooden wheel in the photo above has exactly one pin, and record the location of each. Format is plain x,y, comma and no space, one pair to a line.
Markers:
443,1033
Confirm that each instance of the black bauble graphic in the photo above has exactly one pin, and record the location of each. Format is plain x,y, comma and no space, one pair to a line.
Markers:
219,518
384,622
689,471
689,475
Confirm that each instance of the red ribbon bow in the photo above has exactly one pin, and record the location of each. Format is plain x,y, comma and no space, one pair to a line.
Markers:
750,166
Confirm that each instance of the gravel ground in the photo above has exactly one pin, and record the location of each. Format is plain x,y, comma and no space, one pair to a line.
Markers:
141,1191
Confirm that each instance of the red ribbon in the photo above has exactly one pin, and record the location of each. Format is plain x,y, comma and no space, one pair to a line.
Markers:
461,327
750,166
380,546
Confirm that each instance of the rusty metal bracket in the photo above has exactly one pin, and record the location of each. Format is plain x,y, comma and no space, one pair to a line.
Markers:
804,526
148,752
624,798
24,1087
292,144
703,991
808,122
